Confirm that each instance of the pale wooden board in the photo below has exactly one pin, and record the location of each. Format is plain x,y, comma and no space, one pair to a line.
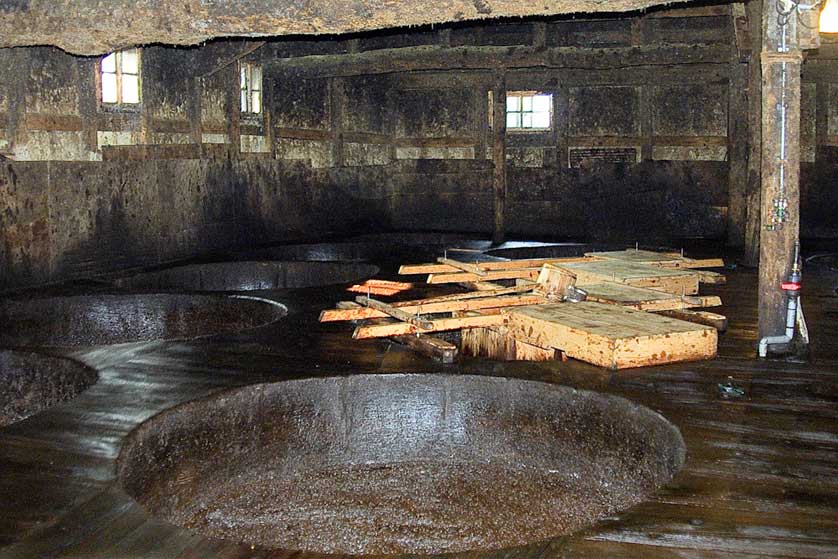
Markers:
673,281
638,256
611,336
642,298
664,259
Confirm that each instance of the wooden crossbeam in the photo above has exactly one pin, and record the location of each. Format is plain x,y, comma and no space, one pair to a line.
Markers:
439,325
442,351
397,313
429,306
462,266
464,277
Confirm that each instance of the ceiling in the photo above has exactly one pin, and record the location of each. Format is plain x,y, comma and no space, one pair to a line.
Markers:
98,26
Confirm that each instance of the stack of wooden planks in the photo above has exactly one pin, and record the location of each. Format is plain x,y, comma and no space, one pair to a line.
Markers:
641,309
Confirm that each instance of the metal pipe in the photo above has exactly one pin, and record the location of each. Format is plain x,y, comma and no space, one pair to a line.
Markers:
793,289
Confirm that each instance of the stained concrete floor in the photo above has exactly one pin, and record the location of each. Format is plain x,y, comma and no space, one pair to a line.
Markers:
759,478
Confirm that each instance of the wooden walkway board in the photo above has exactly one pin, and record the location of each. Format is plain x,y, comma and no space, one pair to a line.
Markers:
612,336
661,259
644,299
678,282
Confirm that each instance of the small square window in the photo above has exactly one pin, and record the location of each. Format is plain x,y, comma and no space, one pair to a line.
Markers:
250,85
529,110
119,74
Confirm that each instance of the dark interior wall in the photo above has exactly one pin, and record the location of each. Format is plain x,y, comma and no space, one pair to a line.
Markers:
638,146
641,145
85,191
380,132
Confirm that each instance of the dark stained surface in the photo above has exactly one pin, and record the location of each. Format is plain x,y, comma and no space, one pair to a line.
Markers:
382,464
758,481
249,276
86,28
32,382
104,319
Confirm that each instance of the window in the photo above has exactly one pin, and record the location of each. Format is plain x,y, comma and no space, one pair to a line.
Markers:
251,88
528,110
120,73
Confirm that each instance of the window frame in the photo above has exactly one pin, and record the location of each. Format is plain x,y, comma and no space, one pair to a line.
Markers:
529,129
246,90
120,105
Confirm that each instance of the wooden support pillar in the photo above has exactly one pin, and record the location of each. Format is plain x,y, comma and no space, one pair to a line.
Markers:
737,128
780,201
499,157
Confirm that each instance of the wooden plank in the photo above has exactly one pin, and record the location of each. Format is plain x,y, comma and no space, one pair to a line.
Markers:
464,277
612,336
440,350
717,321
677,281
428,306
663,259
644,299
399,314
712,278
410,269
439,325
481,286
462,266
495,291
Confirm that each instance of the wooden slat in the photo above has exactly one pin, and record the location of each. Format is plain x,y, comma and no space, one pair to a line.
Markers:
717,321
662,259
399,314
712,278
429,306
462,266
410,269
644,299
463,277
439,325
442,351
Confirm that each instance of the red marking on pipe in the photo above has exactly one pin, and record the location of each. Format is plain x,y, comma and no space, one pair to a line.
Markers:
790,286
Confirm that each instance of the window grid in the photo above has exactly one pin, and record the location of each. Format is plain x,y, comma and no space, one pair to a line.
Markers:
529,111
120,78
250,84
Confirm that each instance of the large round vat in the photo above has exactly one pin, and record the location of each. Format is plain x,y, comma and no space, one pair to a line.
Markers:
249,276
388,464
31,382
89,320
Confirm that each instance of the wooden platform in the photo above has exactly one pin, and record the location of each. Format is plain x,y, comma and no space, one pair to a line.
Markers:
759,481
611,336
675,281
661,259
